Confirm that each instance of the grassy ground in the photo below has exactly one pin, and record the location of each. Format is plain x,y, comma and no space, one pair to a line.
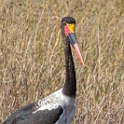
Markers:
32,59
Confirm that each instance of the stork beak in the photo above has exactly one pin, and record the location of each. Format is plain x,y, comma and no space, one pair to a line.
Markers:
78,53
69,32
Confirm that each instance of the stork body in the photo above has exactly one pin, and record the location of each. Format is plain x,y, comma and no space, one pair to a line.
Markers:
58,107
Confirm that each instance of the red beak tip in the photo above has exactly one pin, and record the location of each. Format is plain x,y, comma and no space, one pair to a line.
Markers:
78,54
83,63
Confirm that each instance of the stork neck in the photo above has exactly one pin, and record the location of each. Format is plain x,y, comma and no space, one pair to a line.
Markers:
69,88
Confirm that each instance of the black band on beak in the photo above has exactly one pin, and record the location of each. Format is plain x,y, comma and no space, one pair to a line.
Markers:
72,38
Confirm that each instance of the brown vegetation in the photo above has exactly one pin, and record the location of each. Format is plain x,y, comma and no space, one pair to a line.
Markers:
32,59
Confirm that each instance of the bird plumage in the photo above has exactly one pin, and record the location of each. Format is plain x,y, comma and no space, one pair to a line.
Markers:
55,108
58,107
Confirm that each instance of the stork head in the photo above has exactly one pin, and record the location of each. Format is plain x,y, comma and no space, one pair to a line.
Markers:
68,30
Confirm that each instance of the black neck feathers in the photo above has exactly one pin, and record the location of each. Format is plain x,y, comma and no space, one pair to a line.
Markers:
69,88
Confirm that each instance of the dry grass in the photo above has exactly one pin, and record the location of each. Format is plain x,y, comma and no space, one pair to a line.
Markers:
32,60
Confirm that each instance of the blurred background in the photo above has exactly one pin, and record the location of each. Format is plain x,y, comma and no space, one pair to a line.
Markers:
32,59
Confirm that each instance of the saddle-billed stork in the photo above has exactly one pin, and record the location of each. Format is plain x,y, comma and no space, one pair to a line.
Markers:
58,107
